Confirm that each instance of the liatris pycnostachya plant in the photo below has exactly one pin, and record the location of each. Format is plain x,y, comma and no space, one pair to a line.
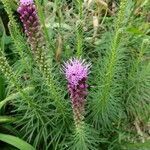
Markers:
76,72
32,27
37,41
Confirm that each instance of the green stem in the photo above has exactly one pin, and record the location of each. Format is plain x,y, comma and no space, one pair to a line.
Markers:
79,32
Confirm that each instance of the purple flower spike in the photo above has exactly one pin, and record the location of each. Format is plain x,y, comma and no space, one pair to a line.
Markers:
76,72
35,36
31,24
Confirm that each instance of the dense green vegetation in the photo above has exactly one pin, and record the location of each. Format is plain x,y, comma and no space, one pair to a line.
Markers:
35,106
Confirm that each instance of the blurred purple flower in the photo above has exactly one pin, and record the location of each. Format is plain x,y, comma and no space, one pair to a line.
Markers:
76,72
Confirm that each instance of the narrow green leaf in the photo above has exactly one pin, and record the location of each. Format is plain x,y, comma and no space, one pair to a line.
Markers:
16,142
6,119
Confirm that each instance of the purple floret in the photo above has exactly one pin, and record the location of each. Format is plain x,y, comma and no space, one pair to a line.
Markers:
26,2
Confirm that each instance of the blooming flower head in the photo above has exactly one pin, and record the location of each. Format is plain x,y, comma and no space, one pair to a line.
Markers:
75,70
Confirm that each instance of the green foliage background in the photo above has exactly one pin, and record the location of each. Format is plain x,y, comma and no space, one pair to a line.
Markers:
34,103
